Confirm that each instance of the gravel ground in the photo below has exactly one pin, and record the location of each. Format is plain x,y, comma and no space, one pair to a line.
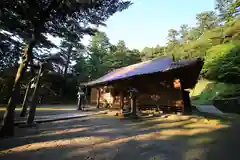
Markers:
45,110
107,137
48,110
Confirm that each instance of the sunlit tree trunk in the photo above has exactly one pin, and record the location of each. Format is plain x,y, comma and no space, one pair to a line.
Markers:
80,102
32,110
7,124
69,52
24,104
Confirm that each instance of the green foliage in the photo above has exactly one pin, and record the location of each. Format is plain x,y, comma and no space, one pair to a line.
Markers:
6,82
223,63
56,17
122,57
213,90
32,21
184,29
97,50
206,20
193,34
232,31
104,57
172,38
228,9
9,51
215,39
150,53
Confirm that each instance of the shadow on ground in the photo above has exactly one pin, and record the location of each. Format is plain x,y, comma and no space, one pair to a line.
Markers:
102,137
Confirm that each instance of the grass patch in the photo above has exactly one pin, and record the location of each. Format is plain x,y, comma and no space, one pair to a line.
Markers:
206,91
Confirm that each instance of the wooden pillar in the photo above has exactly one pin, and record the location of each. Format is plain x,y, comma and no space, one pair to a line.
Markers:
80,98
187,101
121,102
186,105
98,97
86,97
133,104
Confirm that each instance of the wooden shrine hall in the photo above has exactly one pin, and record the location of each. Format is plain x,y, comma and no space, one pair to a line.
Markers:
159,83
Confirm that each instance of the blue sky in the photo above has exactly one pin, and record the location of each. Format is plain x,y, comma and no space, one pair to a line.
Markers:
146,22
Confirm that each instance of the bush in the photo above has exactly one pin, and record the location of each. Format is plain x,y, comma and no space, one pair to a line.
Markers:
215,91
222,63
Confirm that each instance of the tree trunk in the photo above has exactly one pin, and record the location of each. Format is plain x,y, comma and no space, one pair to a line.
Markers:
7,124
98,97
25,100
68,59
80,101
32,110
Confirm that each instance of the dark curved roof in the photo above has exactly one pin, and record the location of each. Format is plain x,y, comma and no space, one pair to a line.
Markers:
162,64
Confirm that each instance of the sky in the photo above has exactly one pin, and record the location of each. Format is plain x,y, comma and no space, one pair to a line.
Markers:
146,22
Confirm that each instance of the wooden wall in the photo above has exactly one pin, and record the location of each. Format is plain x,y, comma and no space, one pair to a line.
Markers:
164,97
93,96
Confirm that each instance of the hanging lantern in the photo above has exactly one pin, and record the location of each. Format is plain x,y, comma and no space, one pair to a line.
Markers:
177,83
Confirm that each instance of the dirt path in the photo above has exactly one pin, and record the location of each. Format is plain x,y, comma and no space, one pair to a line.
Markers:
109,138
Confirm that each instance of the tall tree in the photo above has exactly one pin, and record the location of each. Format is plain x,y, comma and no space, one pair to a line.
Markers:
81,68
227,9
172,36
183,32
98,49
121,46
206,20
69,50
122,56
33,20
100,41
44,66
172,39
193,34
147,53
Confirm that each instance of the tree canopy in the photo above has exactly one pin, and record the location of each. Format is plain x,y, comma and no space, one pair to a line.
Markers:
31,21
